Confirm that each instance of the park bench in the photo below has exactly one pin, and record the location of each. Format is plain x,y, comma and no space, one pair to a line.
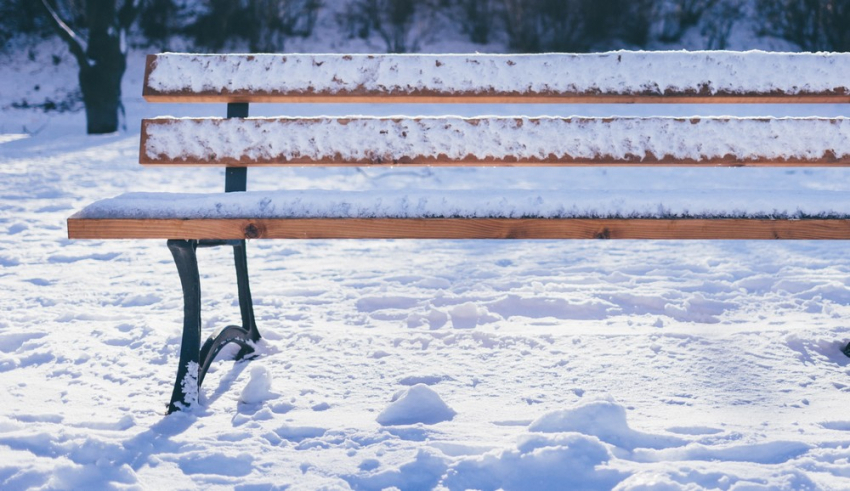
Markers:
238,142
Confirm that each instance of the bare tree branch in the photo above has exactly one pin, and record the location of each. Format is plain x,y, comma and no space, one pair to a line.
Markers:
74,42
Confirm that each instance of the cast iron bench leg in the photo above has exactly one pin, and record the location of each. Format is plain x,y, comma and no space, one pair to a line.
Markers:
195,360
246,304
186,386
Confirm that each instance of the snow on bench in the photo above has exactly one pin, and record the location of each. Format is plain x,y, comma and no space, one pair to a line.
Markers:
751,211
450,140
479,203
620,76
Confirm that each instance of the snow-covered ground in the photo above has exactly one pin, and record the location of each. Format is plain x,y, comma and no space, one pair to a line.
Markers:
522,365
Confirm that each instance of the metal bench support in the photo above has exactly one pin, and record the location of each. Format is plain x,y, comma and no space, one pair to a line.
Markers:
186,387
195,359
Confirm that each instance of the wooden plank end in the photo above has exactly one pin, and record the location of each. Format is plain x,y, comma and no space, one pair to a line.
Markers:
147,92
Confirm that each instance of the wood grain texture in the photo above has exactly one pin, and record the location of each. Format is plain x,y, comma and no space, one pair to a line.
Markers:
329,228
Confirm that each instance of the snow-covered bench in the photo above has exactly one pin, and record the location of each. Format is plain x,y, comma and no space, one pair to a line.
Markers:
190,221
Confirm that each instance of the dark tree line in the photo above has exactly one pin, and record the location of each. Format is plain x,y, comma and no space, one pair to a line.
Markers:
264,25
403,25
814,25
584,25
96,31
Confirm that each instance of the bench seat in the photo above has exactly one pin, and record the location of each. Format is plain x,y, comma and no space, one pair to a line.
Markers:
475,204
481,213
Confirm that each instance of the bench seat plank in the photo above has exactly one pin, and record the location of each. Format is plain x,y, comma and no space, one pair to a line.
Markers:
614,77
504,141
479,203
472,214
458,228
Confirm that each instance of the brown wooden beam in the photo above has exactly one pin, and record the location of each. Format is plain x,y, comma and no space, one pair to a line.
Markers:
457,228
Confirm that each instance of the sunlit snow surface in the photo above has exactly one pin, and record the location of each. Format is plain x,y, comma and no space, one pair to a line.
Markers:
12,137
633,365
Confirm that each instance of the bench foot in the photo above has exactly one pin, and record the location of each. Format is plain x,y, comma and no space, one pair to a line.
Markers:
214,344
846,350
195,360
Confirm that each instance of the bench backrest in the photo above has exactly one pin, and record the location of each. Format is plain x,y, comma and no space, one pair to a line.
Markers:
617,77
238,141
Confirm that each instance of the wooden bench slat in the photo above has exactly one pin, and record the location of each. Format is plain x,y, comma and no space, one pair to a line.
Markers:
615,77
495,141
459,228
377,98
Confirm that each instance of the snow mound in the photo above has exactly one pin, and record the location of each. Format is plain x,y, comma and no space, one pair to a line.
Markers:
418,404
466,315
689,479
606,420
258,388
539,462
423,472
655,482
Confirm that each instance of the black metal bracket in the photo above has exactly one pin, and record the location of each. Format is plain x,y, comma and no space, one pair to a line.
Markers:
236,178
195,360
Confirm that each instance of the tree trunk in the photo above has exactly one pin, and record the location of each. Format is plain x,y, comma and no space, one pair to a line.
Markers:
101,89
100,83
102,59
100,79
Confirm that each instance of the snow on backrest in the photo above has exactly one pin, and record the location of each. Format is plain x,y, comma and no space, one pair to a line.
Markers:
619,76
453,140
